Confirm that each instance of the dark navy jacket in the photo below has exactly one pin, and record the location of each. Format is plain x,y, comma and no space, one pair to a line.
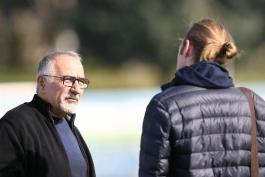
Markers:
30,145
199,126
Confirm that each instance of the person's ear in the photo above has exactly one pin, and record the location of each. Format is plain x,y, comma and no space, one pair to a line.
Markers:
187,48
41,83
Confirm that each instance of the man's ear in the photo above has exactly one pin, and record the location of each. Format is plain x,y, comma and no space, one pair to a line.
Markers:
41,83
187,48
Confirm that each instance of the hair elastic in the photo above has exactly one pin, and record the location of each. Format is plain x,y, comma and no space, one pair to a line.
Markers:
225,47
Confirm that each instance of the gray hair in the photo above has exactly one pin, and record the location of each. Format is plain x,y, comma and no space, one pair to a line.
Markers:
46,65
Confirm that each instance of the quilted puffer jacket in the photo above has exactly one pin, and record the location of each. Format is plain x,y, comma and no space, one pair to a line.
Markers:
199,126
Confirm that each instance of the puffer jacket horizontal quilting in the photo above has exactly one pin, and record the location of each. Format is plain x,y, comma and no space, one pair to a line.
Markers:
204,137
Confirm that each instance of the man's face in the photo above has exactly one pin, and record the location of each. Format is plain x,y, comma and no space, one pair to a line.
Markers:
64,99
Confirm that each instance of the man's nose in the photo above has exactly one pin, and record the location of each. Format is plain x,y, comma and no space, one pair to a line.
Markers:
76,87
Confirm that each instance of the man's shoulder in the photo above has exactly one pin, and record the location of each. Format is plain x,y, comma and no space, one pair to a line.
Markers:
17,113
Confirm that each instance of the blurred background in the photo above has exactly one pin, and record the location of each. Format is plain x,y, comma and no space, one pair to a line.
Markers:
124,43
129,49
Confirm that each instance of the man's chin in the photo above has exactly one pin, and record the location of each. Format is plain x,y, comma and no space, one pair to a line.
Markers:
69,109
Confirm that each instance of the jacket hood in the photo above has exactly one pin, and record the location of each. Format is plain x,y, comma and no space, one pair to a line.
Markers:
204,74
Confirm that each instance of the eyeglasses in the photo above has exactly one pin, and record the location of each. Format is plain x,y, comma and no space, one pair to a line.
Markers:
69,81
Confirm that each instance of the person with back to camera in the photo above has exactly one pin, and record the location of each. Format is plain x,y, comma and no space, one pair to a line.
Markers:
200,124
39,138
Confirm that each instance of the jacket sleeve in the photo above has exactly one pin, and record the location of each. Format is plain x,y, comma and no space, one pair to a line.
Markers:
11,152
155,145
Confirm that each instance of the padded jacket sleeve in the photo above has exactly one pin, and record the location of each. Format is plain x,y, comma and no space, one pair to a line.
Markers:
155,145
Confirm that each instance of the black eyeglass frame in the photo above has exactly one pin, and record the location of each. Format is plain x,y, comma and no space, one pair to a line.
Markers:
72,79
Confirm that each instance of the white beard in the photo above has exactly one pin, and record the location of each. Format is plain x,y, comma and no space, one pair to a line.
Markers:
68,108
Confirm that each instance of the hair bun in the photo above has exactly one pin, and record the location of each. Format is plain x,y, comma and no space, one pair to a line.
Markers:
229,50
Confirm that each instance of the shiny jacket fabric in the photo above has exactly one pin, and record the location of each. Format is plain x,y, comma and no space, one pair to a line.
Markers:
30,146
191,131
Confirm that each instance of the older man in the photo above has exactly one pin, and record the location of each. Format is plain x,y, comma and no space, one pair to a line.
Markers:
38,138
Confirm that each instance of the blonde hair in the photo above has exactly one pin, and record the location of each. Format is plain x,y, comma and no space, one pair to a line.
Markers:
211,41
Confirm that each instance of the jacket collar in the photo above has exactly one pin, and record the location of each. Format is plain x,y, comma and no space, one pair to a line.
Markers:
44,108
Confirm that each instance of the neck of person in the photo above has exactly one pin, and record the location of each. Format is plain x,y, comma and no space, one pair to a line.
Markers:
57,114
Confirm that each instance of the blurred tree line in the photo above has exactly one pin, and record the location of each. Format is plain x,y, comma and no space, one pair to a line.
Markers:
123,42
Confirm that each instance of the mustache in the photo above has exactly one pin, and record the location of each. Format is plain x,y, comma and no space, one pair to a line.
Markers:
72,96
